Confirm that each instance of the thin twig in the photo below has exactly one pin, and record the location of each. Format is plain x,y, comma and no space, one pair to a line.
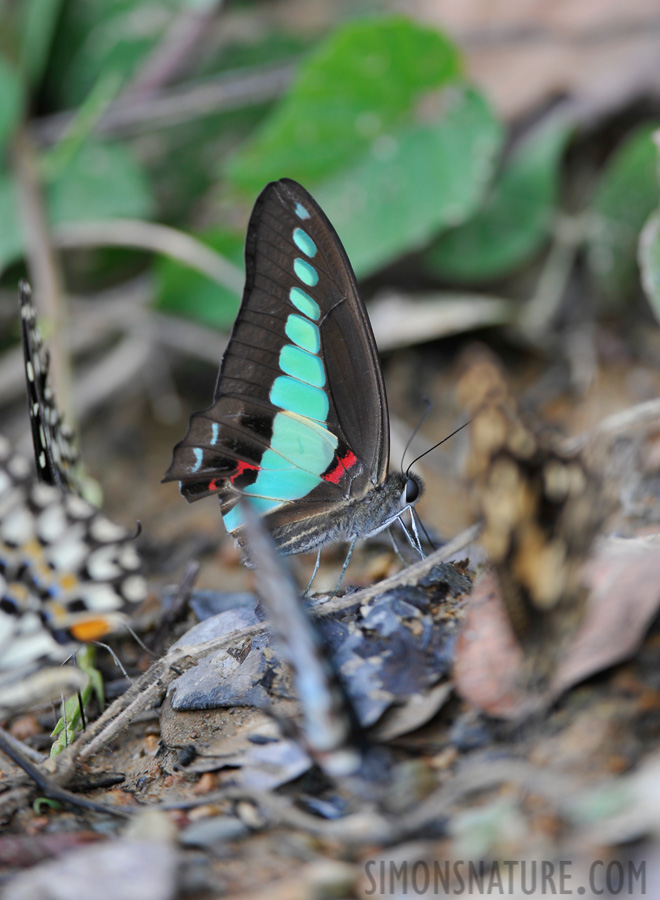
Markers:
543,306
174,51
642,415
16,752
188,338
371,826
399,319
232,90
149,236
119,368
411,575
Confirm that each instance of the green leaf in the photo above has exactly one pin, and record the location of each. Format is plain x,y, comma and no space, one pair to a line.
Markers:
368,77
516,217
12,238
624,199
71,722
43,804
38,24
187,292
414,182
81,126
11,100
649,261
102,181
93,39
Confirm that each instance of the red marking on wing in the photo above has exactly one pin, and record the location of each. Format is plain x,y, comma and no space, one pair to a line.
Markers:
241,467
343,465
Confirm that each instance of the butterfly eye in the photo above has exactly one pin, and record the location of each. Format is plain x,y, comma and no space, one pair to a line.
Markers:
412,490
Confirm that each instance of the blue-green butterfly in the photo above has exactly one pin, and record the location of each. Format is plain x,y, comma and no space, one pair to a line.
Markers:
299,421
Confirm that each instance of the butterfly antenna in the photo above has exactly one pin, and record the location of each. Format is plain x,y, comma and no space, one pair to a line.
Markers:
417,458
423,418
426,534
138,640
116,659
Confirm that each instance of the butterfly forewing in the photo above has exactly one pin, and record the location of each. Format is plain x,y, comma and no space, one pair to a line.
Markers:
55,447
300,412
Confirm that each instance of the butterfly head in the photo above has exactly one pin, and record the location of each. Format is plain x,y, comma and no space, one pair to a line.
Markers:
387,503
413,489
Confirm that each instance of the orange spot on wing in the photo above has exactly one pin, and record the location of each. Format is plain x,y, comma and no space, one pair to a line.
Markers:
91,629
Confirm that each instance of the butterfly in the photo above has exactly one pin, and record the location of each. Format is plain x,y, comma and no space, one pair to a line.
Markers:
299,421
67,573
542,509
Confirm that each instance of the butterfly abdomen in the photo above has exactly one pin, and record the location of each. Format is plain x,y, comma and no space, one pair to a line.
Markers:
358,517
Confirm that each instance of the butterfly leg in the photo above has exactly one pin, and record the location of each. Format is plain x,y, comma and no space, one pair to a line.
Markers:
346,562
316,568
418,543
396,546
413,539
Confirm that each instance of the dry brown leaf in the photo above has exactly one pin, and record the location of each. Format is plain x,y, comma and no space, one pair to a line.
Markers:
624,578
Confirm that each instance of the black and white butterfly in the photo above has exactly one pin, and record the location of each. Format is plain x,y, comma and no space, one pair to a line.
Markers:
67,573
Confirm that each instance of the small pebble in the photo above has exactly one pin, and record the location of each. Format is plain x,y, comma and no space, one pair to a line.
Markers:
216,830
207,783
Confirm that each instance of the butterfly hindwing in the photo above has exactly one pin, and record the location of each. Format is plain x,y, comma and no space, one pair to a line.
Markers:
300,412
67,572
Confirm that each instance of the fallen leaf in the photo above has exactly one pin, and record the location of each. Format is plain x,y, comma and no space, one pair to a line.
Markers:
624,579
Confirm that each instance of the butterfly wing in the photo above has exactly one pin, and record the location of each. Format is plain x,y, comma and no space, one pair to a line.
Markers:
300,412
67,573
55,449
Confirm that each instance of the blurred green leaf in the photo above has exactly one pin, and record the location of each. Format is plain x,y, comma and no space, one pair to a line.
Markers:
11,227
11,101
38,24
649,261
625,197
414,182
71,722
516,217
367,79
102,181
96,38
188,293
81,126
